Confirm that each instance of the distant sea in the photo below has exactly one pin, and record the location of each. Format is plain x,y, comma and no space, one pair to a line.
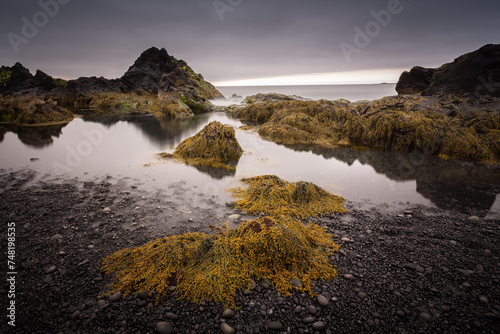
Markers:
314,92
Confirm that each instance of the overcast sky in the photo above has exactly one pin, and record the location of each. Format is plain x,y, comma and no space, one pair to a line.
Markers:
243,39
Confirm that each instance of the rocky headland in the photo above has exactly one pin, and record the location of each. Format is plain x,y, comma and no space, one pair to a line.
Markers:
156,83
472,74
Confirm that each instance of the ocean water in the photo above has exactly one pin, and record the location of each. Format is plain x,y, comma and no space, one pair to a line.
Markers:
314,92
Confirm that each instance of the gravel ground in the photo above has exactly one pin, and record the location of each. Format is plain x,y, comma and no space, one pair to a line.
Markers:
421,270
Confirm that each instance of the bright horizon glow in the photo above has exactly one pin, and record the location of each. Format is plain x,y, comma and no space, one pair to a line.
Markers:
332,78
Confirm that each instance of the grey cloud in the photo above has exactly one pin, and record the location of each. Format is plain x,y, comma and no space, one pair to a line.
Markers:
257,39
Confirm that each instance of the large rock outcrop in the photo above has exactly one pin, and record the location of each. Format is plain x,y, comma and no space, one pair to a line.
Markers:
475,73
156,83
18,80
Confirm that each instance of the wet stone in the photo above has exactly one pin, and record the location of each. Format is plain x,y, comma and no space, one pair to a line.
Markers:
322,300
228,313
424,317
51,269
483,300
116,297
226,329
312,309
171,316
164,328
274,325
308,320
318,326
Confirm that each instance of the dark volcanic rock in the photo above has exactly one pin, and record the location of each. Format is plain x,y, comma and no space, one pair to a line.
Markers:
148,70
181,92
143,76
13,78
415,81
93,85
475,73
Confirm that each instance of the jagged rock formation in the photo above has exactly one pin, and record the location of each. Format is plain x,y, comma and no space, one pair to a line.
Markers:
475,73
18,79
156,82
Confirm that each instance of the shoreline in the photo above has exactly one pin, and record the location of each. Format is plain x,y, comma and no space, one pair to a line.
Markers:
419,270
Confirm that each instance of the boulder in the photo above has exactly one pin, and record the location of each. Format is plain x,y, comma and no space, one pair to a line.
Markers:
214,146
415,81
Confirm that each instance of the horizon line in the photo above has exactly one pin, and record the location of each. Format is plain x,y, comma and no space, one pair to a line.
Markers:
359,77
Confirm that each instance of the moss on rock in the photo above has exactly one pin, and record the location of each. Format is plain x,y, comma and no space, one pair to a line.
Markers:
277,197
214,146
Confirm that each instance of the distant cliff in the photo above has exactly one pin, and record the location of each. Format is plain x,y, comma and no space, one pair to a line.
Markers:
475,73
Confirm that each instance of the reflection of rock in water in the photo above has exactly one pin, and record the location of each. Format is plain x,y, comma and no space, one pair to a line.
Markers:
3,130
216,173
160,131
37,136
449,184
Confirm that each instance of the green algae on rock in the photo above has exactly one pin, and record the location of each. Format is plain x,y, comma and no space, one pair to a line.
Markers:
214,146
277,197
213,268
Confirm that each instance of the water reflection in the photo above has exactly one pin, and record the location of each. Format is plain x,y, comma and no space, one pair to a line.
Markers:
449,184
216,173
381,177
34,136
160,131
3,130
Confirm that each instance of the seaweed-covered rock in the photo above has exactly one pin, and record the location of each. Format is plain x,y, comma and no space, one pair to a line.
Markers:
213,268
286,127
39,111
434,125
272,97
215,145
277,197
155,74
